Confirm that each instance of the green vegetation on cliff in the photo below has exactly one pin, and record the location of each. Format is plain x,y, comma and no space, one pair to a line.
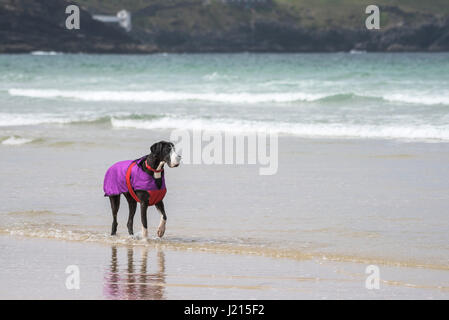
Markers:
211,14
232,25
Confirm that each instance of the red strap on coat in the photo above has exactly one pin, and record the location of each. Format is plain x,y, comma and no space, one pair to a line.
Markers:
128,182
155,195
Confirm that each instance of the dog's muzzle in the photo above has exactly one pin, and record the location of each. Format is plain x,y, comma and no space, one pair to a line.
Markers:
175,160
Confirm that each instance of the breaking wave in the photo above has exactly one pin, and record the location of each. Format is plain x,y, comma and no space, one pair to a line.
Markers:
407,131
14,140
161,96
236,98
419,132
17,119
45,53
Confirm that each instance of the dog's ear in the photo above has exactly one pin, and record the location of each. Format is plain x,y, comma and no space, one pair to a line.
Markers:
156,148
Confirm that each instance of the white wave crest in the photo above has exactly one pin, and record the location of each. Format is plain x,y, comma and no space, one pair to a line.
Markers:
15,140
354,51
233,97
45,53
17,119
425,99
161,96
408,132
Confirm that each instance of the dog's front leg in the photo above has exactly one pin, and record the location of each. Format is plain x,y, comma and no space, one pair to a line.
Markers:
143,213
161,228
143,196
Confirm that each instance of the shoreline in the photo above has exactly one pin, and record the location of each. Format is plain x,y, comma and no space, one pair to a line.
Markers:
124,272
216,247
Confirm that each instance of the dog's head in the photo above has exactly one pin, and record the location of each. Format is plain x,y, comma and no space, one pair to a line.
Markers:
165,151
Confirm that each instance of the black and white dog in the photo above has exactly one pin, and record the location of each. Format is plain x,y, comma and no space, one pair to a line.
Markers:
143,181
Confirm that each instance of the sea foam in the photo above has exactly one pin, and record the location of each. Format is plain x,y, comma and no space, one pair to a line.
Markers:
229,97
408,132
15,140
161,96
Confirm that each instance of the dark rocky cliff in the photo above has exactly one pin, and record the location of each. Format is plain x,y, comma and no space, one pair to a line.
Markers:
29,25
216,26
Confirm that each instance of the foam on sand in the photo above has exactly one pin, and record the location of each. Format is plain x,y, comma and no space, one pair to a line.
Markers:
63,232
15,140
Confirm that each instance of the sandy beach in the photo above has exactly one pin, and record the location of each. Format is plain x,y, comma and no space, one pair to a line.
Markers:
308,240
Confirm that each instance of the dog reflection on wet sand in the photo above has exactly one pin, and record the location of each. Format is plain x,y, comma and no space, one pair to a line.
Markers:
133,282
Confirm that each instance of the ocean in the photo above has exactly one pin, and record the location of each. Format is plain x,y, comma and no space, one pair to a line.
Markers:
363,161
394,96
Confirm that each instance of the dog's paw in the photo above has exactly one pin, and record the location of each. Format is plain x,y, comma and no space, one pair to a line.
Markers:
144,233
161,229
133,237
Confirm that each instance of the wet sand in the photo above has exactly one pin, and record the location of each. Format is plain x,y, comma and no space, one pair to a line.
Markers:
35,269
334,208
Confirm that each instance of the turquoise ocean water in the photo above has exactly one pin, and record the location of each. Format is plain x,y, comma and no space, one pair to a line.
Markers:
392,96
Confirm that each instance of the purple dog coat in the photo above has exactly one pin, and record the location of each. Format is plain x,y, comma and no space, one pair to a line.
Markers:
126,176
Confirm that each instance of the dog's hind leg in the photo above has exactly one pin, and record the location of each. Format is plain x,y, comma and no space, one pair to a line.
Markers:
115,205
132,204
